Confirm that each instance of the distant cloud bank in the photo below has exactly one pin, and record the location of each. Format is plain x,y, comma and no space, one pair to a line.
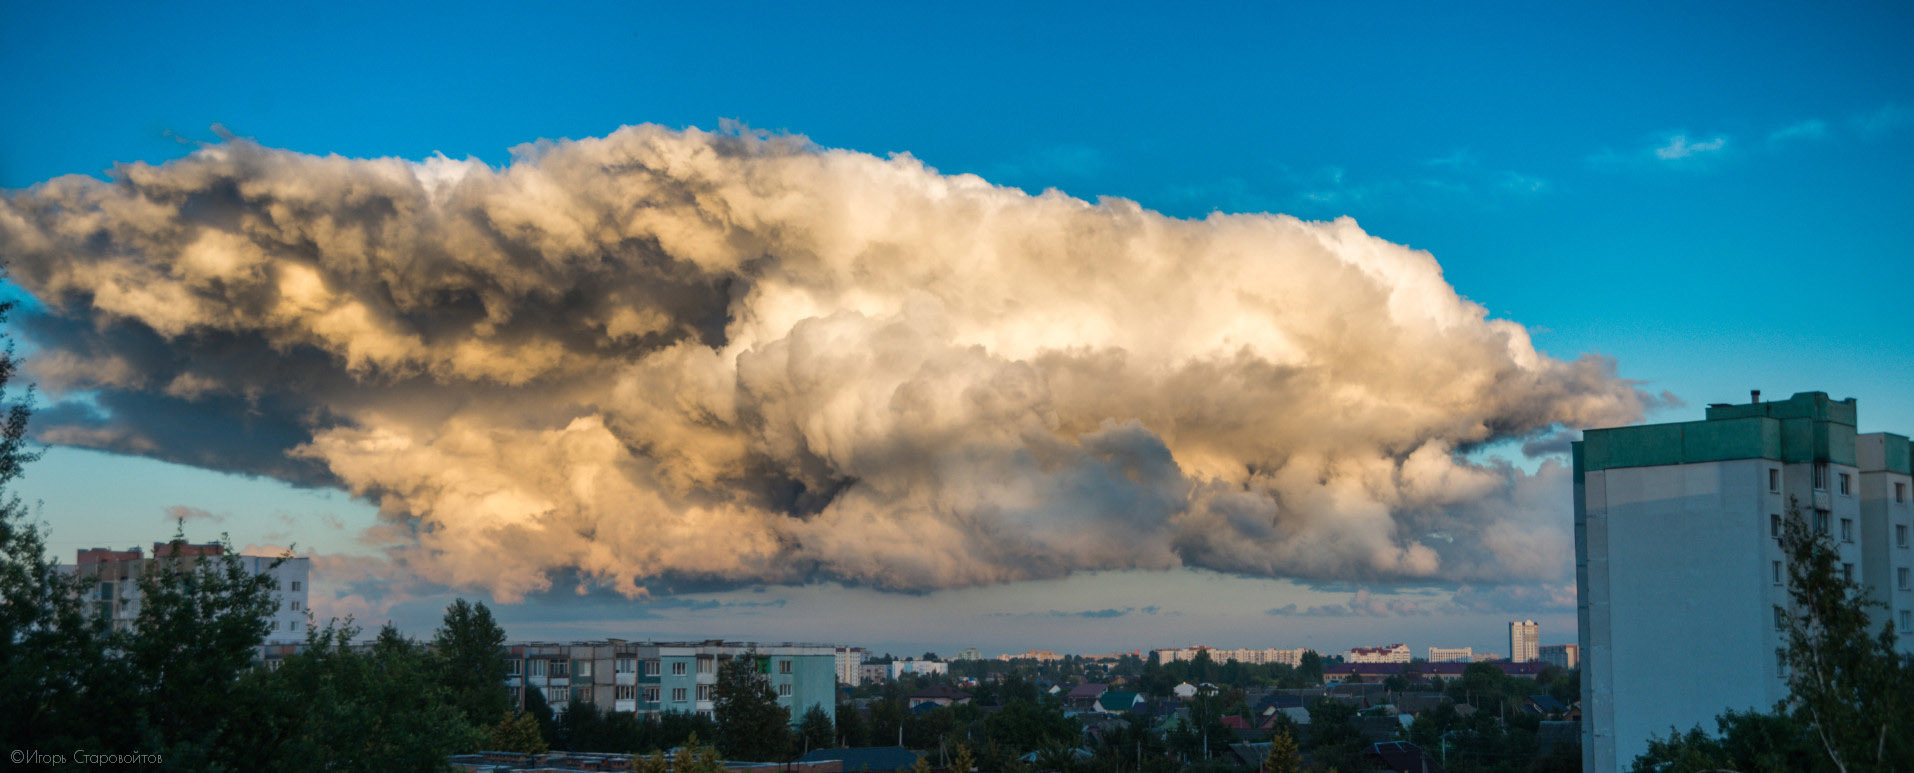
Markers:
730,358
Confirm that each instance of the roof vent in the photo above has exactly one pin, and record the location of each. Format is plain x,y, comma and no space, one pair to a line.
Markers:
1754,395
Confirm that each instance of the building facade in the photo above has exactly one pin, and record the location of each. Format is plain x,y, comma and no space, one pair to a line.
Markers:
111,582
850,665
656,677
1563,656
1394,653
1251,656
1451,654
918,667
1525,641
1679,565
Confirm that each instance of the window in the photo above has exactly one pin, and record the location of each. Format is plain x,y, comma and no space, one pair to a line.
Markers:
626,692
295,625
1820,477
784,691
651,695
1781,661
1777,572
1847,572
651,668
1847,484
1907,621
1820,522
535,667
1900,536
678,668
513,666
1774,480
704,692
106,591
678,695
624,665
1774,526
1847,529
1900,493
275,625
784,666
295,586
295,606
561,669
581,694
1900,578
707,665
1780,619
584,668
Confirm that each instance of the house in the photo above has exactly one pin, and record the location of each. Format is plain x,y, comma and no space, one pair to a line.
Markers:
1184,691
1118,701
1400,756
1085,695
1546,705
939,695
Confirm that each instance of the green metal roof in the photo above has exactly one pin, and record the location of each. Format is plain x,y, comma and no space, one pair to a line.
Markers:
1804,428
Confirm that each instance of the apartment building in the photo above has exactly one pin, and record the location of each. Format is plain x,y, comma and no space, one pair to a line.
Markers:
655,677
1525,641
850,665
1394,653
1679,565
1252,656
111,582
1563,656
1451,654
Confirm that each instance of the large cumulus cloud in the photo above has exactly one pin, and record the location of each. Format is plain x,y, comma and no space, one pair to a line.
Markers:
737,358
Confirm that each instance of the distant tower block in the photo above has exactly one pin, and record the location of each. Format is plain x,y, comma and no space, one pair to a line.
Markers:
1525,641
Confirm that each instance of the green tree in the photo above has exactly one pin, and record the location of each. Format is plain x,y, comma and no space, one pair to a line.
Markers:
1845,681
199,627
850,726
469,655
751,725
1309,670
1283,755
695,757
815,729
516,732
964,761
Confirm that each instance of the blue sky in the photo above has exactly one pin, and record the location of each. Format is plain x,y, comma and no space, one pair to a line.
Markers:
1714,194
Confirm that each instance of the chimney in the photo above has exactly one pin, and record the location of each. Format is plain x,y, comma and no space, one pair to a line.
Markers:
1754,395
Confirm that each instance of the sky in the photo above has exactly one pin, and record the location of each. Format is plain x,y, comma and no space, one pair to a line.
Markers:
1503,225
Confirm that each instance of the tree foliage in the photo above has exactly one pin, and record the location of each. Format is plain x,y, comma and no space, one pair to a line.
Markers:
815,729
469,656
751,724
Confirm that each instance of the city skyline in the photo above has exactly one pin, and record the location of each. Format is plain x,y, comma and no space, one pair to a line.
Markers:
1601,221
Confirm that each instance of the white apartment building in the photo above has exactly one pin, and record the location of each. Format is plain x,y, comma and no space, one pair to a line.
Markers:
1251,656
113,583
1679,568
1451,654
1563,656
850,665
902,667
1394,653
1525,641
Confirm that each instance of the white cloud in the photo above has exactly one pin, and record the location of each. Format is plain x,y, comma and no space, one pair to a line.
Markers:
1680,147
679,358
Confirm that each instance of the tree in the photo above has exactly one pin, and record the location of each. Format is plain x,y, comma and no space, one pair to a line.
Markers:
200,623
469,655
1283,755
751,725
815,728
850,726
517,732
1847,684
1310,668
964,761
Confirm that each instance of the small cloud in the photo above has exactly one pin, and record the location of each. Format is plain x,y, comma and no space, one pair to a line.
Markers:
183,514
1091,614
1459,159
1556,442
1884,120
1679,147
1811,129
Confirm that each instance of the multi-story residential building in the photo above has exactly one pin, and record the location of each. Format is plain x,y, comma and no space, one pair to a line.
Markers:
112,583
656,677
919,667
1253,656
1525,641
1451,654
1394,653
873,672
850,663
1562,656
1041,656
969,653
1679,565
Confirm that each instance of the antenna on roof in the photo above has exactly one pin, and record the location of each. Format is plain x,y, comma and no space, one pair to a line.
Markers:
1754,395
